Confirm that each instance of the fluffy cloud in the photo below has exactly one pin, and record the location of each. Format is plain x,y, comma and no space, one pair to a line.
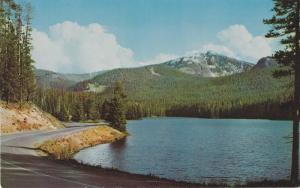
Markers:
219,49
70,47
160,58
237,41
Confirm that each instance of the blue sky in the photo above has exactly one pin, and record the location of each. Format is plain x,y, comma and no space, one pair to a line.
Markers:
152,27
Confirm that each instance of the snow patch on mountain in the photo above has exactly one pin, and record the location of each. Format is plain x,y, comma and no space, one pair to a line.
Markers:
153,72
209,65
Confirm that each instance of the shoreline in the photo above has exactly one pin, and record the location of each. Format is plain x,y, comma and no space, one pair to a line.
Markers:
65,147
103,177
61,169
219,118
114,173
115,170
262,183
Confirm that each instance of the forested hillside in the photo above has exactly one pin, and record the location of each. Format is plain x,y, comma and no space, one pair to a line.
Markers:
172,93
160,90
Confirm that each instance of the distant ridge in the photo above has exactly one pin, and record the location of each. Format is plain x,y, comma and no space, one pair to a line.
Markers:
51,79
266,62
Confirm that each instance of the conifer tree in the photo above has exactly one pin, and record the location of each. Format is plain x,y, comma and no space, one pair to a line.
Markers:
63,113
87,108
105,110
77,112
28,69
16,66
20,75
10,67
117,108
285,26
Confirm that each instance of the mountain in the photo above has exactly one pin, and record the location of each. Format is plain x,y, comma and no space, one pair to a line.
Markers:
197,66
266,62
161,90
164,89
213,84
50,79
209,65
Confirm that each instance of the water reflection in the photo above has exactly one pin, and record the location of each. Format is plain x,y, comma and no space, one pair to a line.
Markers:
117,151
119,145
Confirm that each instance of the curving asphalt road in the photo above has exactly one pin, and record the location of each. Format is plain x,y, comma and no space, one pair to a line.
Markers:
22,167
25,143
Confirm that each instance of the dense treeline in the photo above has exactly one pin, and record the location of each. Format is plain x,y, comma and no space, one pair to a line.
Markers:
84,106
17,78
268,109
252,94
172,90
66,106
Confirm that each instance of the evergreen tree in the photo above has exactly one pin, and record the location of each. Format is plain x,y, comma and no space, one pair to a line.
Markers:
105,110
285,26
77,112
28,69
2,44
98,109
64,114
10,67
16,66
87,108
20,75
117,108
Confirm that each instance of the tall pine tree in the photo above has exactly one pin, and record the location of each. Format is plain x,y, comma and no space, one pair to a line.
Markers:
285,26
10,67
105,110
77,112
117,108
29,83
16,65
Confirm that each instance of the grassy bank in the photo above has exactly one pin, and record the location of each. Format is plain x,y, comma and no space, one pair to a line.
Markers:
65,147
26,118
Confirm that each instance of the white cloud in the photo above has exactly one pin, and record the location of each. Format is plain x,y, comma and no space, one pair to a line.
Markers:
237,41
219,49
70,47
160,58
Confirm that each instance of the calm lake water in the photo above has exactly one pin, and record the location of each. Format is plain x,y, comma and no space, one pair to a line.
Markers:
199,150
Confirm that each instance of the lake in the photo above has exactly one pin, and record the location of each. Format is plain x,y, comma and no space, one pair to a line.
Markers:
199,150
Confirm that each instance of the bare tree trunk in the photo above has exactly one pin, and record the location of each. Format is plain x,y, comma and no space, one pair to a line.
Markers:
296,107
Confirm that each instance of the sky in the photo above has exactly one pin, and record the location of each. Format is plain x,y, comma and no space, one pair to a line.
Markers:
90,35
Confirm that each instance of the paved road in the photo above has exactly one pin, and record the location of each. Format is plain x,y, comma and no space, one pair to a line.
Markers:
21,167
26,143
